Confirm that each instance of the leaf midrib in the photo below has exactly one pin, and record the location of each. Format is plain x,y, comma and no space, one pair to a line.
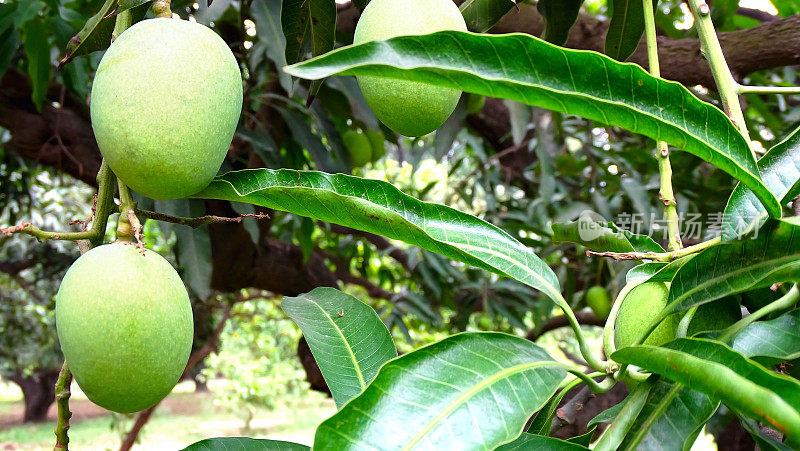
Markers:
469,394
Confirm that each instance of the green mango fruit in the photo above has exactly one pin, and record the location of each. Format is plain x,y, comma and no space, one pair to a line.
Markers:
715,315
475,103
639,308
125,326
598,299
409,108
358,147
165,103
378,144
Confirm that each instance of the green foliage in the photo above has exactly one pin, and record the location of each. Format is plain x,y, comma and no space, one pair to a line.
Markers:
256,360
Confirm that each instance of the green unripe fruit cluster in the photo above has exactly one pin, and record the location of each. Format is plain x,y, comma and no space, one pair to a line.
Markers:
125,326
598,299
639,308
409,108
165,103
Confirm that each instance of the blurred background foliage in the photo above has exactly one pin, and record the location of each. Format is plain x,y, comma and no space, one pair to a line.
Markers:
520,168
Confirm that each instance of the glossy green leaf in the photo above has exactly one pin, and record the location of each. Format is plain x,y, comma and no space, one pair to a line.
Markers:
613,435
602,237
244,444
37,50
625,28
558,16
780,171
346,337
95,34
778,338
526,69
309,26
474,389
671,418
644,272
379,207
530,442
544,417
772,256
722,373
606,416
481,15
124,5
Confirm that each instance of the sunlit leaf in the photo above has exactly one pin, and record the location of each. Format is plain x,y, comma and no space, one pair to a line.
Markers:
244,444
523,68
778,338
481,15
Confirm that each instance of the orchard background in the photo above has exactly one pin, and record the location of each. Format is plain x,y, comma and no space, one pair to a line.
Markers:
520,164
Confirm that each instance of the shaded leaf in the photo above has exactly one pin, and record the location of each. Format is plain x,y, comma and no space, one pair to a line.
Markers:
474,389
244,444
602,237
780,171
37,50
192,246
625,28
346,337
778,338
308,25
379,207
623,421
531,441
558,16
481,15
270,38
722,373
526,69
606,416
738,266
94,36
124,5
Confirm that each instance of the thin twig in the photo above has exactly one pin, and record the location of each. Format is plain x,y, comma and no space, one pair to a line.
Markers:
198,221
658,256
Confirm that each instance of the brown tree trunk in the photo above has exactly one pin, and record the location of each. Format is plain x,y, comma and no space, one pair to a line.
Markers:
37,390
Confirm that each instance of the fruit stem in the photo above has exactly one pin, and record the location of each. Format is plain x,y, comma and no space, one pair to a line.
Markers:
593,361
712,51
105,199
786,301
666,193
161,8
664,257
767,89
62,402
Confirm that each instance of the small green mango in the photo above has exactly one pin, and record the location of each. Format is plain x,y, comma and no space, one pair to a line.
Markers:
125,326
598,299
639,308
378,144
165,102
358,147
409,108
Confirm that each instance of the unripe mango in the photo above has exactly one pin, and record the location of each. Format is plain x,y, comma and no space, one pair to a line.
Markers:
598,299
125,326
165,102
409,108
639,308
358,147
378,144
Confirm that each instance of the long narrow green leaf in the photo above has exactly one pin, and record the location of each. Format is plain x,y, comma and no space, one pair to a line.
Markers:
308,25
671,418
558,16
613,435
244,444
526,69
474,389
730,268
724,374
625,28
379,207
346,337
780,171
603,237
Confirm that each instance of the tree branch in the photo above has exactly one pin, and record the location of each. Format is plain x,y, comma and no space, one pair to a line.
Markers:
378,241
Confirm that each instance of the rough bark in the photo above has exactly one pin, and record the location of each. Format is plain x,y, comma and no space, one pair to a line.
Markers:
37,391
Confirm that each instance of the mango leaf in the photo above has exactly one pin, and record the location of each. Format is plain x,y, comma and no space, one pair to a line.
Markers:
192,246
644,272
530,441
544,417
474,389
606,416
94,36
671,418
722,373
625,28
526,69
38,52
481,15
780,171
764,442
602,237
346,337
772,256
379,207
308,25
778,338
270,39
244,444
124,5
613,435
558,16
